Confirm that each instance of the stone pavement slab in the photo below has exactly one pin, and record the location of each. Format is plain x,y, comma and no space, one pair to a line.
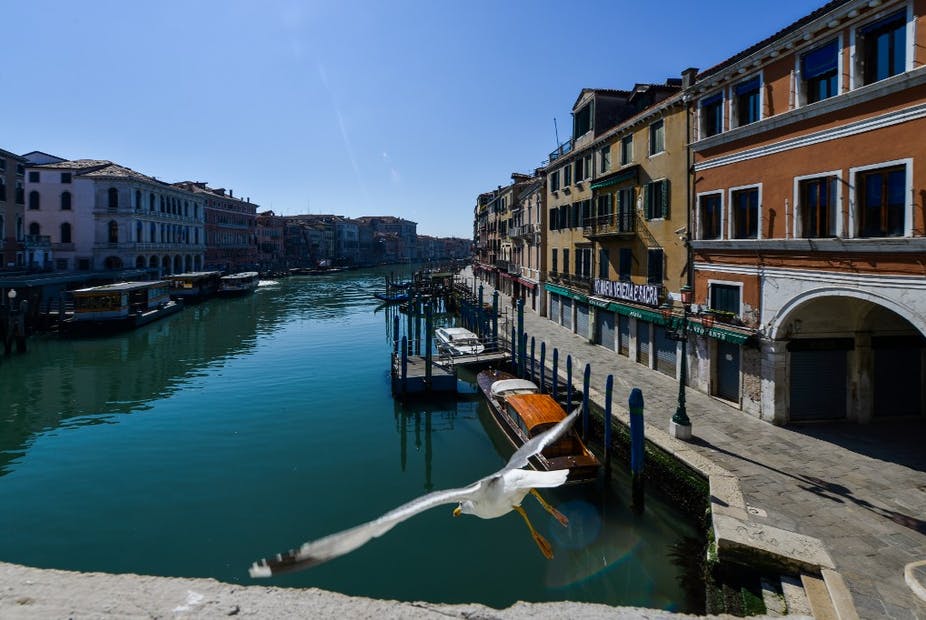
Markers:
860,489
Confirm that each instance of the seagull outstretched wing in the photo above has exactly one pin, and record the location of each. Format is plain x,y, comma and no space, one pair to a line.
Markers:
334,545
521,458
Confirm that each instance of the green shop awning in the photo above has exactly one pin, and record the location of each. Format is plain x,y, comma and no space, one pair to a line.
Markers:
630,174
652,316
719,333
565,292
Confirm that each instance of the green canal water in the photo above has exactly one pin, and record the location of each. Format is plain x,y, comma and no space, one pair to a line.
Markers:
240,428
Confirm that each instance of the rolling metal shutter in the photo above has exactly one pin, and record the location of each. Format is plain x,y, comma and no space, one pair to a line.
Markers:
582,319
643,342
819,379
665,352
605,329
554,308
567,313
623,332
897,380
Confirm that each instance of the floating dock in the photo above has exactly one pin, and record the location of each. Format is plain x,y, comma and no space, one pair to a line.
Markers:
411,375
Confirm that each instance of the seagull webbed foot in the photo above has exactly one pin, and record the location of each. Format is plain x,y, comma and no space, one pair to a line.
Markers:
545,547
563,519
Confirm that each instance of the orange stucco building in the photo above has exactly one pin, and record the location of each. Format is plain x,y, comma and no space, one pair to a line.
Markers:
808,217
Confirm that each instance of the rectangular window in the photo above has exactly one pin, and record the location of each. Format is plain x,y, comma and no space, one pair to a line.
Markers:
554,219
604,264
656,199
567,176
582,121
33,176
554,181
747,101
709,207
65,177
818,72
883,47
580,169
654,264
725,298
817,207
604,207
555,257
657,137
626,150
625,210
881,200
565,260
586,271
625,264
712,115
744,209
605,159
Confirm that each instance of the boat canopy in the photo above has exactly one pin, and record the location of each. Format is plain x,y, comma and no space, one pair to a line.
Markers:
536,409
507,387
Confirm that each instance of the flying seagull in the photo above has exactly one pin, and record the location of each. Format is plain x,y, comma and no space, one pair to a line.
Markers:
488,498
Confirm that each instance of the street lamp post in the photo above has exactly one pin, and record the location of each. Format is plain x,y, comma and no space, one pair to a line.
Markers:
677,330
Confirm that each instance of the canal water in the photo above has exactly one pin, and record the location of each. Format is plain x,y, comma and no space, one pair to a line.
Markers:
239,428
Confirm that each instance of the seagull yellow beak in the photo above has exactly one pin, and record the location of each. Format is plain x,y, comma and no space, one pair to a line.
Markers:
457,511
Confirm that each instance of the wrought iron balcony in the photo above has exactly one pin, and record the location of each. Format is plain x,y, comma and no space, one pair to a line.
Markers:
611,225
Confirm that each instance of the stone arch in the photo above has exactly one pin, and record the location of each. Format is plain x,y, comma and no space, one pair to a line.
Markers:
178,263
165,264
139,262
153,262
188,266
778,325
112,262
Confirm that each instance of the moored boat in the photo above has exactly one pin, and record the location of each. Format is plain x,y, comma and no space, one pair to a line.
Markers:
195,285
237,284
522,412
120,306
392,298
458,341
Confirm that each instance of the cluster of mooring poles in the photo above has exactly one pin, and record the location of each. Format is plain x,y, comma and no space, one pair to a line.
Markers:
414,371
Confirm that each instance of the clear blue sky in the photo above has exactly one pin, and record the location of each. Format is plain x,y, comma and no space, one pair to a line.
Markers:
346,106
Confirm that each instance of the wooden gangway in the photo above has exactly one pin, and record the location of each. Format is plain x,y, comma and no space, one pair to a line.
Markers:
480,359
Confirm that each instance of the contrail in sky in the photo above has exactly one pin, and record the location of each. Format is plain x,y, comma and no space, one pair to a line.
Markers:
347,145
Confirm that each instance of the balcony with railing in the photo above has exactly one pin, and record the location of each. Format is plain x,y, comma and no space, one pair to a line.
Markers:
38,242
611,225
561,150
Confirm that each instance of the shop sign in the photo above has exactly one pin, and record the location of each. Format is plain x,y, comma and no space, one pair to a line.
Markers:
647,294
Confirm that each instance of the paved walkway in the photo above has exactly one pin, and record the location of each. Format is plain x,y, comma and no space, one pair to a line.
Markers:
861,490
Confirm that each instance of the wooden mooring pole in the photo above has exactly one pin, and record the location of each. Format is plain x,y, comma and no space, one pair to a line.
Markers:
637,447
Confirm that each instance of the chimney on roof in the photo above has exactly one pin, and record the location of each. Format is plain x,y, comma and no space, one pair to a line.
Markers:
688,77
231,194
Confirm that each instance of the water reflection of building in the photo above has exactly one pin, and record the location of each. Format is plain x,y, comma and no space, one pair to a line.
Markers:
60,379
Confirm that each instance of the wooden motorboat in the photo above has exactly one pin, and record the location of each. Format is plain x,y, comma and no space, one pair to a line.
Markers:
522,412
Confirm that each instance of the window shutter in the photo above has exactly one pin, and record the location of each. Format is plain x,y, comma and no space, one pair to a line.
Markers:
665,198
647,200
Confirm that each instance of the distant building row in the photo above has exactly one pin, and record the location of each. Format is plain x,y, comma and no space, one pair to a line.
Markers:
95,215
784,187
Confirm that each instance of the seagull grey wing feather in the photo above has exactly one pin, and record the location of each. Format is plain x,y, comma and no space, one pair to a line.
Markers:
536,444
329,547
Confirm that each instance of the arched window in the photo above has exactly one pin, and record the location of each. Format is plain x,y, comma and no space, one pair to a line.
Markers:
113,198
152,232
34,229
113,231
139,231
151,201
33,199
65,201
162,204
137,199
65,232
